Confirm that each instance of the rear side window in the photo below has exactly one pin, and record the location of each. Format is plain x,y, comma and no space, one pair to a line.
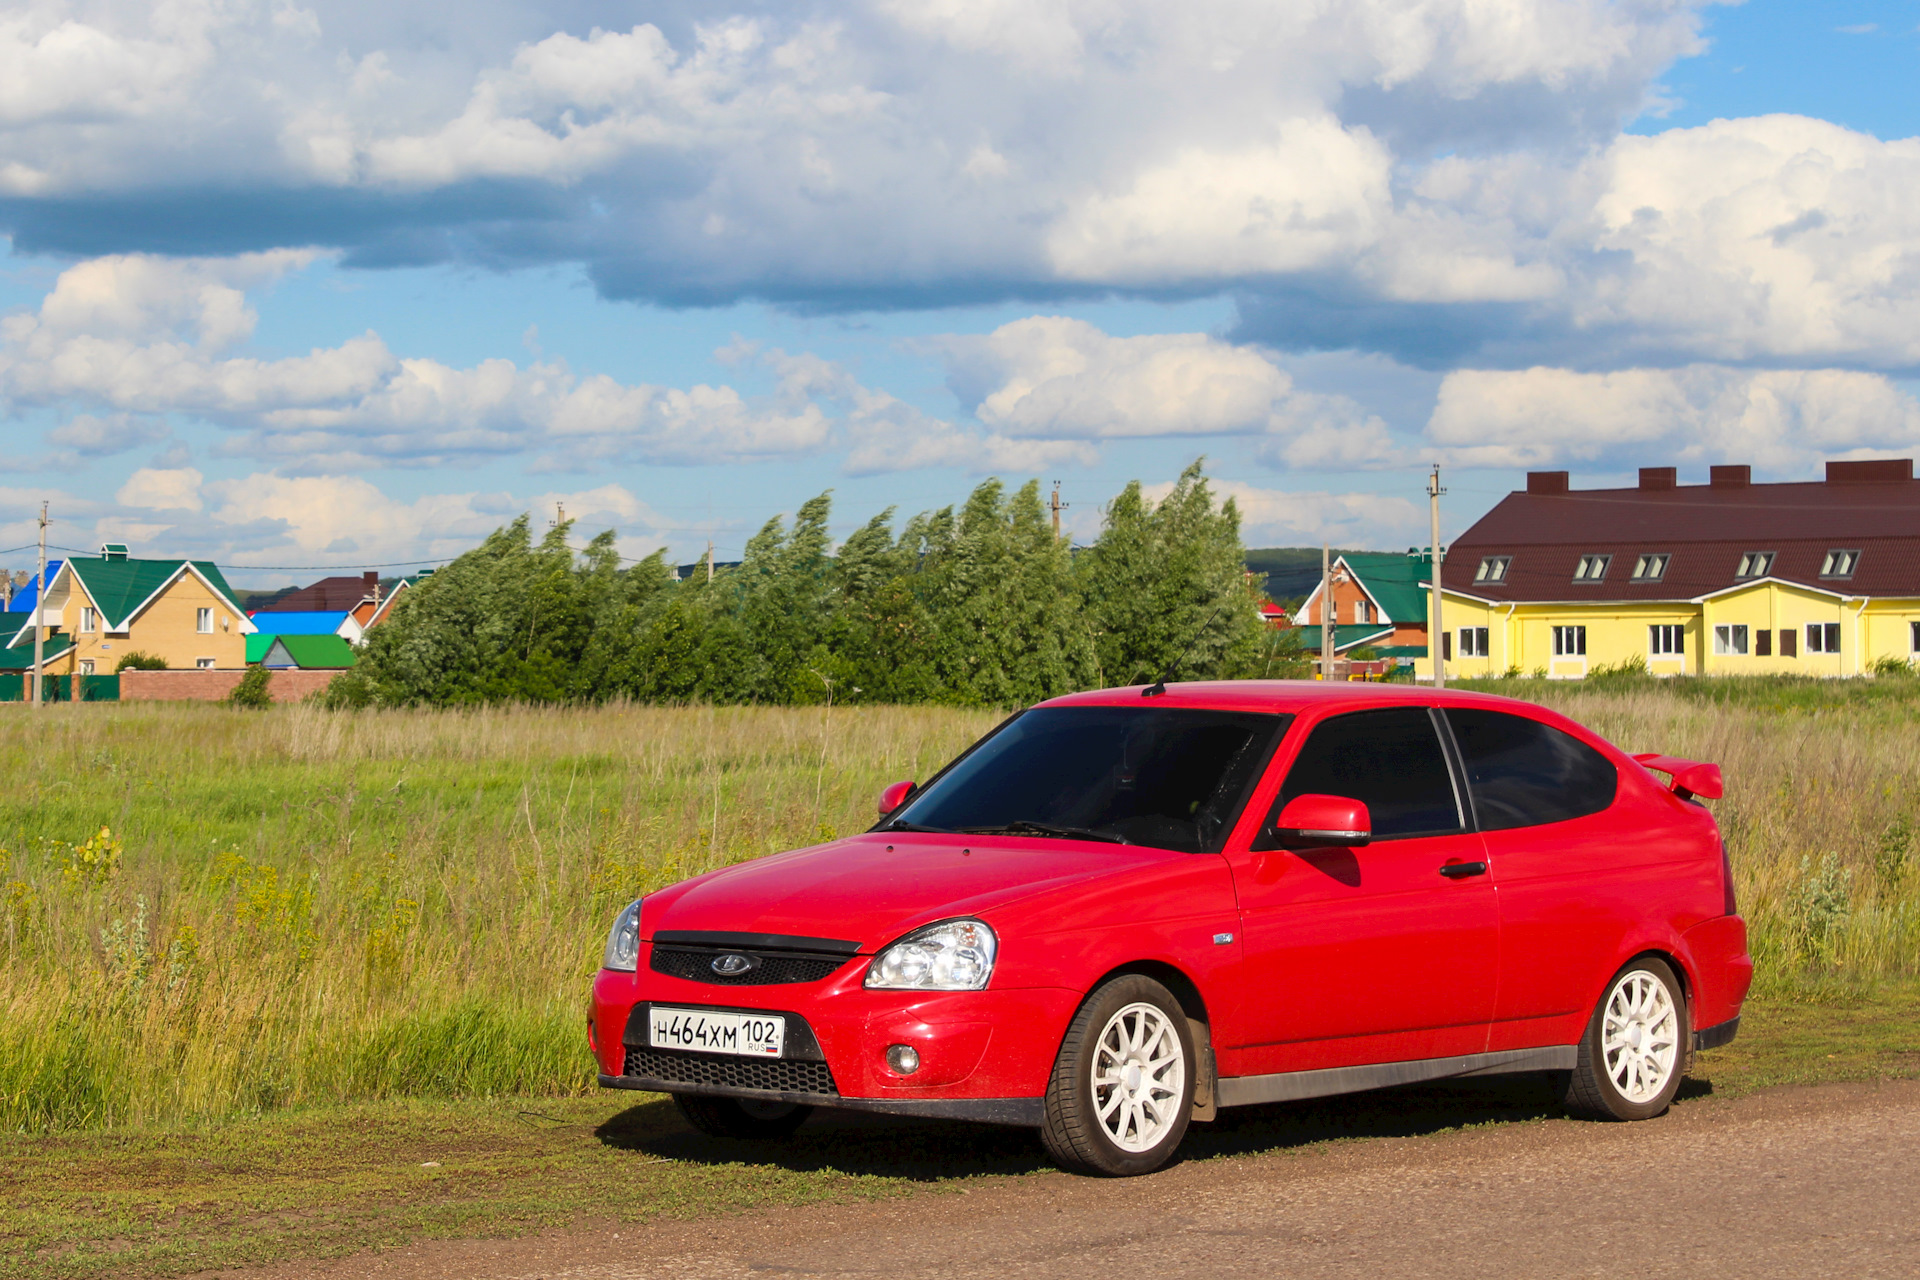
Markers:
1525,774
1389,760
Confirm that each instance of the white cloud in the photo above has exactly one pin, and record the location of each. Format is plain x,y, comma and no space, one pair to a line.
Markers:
155,489
1784,421
1773,237
1274,517
1059,378
1317,192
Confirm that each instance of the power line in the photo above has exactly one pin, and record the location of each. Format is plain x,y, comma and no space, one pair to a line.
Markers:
388,564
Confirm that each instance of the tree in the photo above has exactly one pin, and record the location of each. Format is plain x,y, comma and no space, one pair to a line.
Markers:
1169,578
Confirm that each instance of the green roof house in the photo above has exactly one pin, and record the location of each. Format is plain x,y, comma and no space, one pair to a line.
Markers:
100,608
308,653
1377,600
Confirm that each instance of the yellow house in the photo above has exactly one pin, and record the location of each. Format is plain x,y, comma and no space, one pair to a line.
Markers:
97,610
1730,577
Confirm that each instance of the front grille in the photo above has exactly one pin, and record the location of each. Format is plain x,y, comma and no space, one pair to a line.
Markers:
775,968
782,1075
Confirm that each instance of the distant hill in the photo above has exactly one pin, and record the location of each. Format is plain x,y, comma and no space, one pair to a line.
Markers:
1291,571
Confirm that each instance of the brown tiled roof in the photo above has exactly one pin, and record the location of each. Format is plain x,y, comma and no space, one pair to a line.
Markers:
1705,528
329,595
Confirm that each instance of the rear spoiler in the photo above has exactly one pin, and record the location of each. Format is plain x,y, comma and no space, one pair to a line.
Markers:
1690,777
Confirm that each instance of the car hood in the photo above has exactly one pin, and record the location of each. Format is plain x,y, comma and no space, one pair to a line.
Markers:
872,888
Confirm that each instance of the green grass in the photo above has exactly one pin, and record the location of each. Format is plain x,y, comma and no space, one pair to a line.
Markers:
314,1183
300,908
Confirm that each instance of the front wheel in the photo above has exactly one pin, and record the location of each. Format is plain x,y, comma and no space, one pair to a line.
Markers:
741,1117
1635,1051
1122,1087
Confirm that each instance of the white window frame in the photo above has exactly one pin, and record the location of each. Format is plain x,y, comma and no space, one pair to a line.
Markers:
1840,563
1492,569
1591,568
204,664
1667,640
1819,634
89,619
1360,617
1473,642
86,666
203,621
1651,566
1732,639
1755,564
1570,641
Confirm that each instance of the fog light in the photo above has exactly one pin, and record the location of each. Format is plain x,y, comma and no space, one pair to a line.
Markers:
903,1058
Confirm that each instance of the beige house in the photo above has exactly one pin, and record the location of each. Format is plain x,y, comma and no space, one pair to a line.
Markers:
97,610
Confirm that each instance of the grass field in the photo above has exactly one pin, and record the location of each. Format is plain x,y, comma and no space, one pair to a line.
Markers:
298,907
298,982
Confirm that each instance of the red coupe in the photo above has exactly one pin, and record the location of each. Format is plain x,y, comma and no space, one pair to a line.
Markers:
1123,910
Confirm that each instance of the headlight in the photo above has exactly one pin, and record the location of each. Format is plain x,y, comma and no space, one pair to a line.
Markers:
954,955
623,944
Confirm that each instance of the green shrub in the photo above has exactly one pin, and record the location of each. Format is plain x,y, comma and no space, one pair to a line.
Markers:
252,690
139,660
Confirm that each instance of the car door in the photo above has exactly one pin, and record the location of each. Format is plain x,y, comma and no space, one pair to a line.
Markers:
1370,954
1571,883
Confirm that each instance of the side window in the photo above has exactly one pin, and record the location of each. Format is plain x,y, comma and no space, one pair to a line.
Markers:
1524,773
1389,760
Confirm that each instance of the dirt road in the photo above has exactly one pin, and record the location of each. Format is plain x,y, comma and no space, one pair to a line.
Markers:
1809,1182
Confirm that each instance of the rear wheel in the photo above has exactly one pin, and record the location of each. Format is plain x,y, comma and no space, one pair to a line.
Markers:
1634,1054
1122,1087
741,1117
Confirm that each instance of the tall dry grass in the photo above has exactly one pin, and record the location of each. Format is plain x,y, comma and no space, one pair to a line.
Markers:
204,912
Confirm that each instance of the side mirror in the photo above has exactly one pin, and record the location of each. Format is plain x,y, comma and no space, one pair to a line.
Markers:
895,796
1323,820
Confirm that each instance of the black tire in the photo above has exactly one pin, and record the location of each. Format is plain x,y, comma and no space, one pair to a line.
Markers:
1072,1131
741,1117
1591,1088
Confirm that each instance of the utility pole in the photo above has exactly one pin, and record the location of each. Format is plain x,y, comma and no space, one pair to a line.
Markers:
1436,635
40,610
1057,505
560,516
1326,612
709,559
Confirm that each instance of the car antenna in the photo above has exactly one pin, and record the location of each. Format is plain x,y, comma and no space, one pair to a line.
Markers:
1159,686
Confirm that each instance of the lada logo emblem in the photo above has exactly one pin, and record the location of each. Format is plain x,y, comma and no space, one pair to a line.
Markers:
733,964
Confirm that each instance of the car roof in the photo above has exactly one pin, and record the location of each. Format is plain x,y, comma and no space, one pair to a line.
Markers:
1294,696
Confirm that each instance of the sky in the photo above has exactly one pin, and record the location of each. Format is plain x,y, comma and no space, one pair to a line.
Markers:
324,286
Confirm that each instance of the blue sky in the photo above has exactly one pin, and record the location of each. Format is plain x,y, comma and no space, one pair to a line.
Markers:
343,284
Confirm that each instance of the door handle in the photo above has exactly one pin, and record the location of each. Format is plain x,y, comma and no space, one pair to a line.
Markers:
1461,870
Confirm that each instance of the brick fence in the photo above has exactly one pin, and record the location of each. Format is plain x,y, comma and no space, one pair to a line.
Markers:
213,686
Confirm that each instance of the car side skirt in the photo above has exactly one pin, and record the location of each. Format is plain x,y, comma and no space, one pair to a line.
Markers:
1715,1036
1288,1086
1022,1112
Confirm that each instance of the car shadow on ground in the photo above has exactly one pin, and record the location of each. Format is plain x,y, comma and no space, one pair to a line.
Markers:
927,1150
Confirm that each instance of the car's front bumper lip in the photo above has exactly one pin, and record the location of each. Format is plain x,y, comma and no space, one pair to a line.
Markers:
1025,1112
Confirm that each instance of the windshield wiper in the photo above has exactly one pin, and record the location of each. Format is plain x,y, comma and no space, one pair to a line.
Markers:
1025,828
914,826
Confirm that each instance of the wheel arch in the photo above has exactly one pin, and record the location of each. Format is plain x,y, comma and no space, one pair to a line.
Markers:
1170,976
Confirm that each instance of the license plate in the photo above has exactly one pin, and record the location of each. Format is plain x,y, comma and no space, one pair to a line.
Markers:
749,1035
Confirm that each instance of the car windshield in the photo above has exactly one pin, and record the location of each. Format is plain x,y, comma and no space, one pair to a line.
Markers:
1174,778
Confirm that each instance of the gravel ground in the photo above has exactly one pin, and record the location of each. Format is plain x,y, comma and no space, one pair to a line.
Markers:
1794,1182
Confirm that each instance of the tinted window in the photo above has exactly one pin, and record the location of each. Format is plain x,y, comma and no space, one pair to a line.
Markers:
1524,773
1389,760
1170,777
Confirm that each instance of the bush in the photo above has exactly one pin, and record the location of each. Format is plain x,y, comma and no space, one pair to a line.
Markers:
252,690
138,660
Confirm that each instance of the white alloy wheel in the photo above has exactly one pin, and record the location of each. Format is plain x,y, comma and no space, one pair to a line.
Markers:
1639,1036
1139,1077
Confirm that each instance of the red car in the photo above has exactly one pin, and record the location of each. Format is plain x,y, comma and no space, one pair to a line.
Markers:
1123,910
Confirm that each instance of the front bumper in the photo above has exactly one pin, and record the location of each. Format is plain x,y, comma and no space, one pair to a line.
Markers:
984,1055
